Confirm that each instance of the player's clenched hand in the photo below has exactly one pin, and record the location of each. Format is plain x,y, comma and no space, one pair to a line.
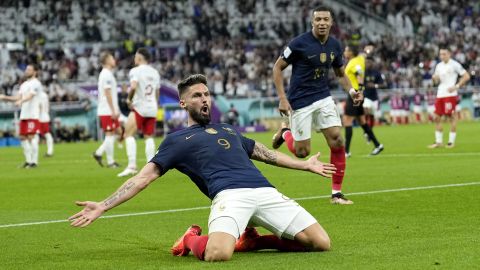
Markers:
316,166
90,212
284,107
357,98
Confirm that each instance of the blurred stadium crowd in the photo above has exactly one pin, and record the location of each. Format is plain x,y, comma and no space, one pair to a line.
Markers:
234,42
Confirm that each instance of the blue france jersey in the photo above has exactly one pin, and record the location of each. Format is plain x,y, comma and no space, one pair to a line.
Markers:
215,157
311,61
372,76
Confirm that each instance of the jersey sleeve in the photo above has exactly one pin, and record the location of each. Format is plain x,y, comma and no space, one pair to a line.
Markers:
290,53
248,145
459,69
379,78
35,88
338,60
132,75
167,155
108,82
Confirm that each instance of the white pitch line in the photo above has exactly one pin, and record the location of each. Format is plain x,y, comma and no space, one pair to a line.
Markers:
207,207
428,155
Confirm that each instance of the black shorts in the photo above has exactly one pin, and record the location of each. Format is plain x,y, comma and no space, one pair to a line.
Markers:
351,110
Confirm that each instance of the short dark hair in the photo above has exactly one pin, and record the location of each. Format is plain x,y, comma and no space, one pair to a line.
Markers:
145,53
35,66
323,8
443,47
354,48
104,56
185,84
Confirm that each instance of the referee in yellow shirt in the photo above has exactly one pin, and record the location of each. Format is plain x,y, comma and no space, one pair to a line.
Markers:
355,71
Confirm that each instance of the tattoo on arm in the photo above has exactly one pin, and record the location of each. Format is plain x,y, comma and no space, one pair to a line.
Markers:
112,199
262,153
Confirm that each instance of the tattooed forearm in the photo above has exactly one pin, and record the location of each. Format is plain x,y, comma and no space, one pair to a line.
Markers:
262,153
124,189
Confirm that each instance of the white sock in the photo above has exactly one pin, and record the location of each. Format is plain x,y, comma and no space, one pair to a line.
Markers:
100,149
149,148
131,152
336,191
451,137
109,148
27,151
34,144
438,137
49,140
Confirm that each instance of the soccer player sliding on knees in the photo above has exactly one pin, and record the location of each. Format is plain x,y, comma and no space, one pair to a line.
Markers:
217,159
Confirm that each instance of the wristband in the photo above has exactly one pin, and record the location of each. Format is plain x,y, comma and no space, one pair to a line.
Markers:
361,87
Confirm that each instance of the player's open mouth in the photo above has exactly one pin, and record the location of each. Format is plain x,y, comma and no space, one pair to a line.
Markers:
205,110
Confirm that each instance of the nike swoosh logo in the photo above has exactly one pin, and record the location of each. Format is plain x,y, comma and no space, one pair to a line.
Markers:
188,137
311,56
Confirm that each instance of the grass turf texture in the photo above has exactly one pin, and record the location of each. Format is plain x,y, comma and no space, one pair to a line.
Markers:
417,229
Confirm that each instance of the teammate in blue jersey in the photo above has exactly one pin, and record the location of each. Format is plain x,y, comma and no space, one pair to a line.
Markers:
373,80
217,159
308,102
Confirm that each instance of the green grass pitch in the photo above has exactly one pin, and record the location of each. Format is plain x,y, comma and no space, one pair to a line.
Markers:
433,227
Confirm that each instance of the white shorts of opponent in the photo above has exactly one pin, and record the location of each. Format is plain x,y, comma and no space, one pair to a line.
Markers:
233,209
417,108
431,109
319,115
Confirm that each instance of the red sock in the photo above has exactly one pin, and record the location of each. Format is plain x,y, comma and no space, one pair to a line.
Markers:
337,158
197,245
370,120
273,242
406,119
287,136
417,115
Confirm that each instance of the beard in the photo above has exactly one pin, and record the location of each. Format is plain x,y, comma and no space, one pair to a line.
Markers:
197,116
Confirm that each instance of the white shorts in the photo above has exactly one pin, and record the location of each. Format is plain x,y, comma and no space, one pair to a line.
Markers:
395,113
431,109
370,104
233,209
417,109
319,115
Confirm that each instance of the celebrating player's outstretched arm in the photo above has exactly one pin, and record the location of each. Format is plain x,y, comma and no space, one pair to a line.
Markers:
93,210
262,153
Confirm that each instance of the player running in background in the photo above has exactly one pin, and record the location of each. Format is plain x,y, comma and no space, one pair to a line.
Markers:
143,97
405,112
45,122
418,106
396,106
355,70
217,159
446,73
27,99
373,80
108,111
308,102
430,99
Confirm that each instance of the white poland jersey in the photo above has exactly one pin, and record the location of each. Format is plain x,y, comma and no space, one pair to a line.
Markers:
448,73
44,107
145,100
106,80
31,108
